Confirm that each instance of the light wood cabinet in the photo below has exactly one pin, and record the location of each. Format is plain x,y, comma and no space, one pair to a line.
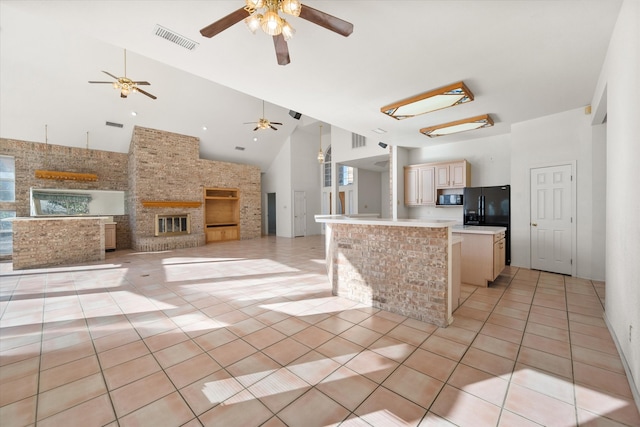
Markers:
453,175
499,254
425,182
221,214
109,237
419,188
483,257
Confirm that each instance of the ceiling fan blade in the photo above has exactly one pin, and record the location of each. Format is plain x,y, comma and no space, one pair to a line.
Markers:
327,21
110,75
256,128
141,83
146,93
109,83
276,123
222,24
282,49
273,127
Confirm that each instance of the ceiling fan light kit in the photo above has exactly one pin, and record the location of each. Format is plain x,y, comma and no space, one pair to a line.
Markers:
264,123
124,84
265,14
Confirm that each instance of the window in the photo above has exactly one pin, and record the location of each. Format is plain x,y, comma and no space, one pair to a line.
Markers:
7,179
327,168
48,203
345,175
6,233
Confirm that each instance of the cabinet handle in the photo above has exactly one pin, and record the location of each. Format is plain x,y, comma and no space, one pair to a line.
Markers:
534,224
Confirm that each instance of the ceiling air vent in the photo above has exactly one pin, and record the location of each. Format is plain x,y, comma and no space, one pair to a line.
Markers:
115,125
174,37
239,148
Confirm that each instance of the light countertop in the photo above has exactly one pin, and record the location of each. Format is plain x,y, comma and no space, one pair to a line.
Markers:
477,229
366,220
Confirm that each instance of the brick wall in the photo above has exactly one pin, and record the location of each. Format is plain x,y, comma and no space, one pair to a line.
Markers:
44,243
399,269
110,167
159,166
165,166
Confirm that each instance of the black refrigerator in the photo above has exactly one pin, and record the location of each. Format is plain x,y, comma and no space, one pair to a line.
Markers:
489,206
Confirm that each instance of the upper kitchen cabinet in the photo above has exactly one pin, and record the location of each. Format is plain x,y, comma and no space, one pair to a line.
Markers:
453,175
419,185
425,182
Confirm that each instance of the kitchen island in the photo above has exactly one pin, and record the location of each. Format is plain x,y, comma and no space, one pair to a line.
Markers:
401,266
482,253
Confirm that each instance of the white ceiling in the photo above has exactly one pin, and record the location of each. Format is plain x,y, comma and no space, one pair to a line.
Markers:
521,59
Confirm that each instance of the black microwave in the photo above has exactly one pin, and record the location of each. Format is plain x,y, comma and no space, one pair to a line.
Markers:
450,199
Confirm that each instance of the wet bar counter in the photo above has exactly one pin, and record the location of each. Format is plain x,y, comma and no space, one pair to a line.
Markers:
49,241
401,266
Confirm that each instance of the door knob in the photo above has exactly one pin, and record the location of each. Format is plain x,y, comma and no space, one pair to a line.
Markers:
534,224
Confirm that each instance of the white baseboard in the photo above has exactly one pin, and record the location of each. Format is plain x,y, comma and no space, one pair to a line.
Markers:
627,370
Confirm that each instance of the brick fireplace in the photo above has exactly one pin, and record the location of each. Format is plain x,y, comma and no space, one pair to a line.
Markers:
165,166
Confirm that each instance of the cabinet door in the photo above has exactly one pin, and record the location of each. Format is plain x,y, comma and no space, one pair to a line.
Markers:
458,174
109,236
427,186
442,176
411,193
499,252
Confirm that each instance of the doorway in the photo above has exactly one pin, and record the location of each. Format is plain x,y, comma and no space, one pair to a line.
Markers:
271,214
299,214
552,219
341,205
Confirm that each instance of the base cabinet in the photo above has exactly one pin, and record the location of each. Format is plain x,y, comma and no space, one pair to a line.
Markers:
483,257
109,237
217,234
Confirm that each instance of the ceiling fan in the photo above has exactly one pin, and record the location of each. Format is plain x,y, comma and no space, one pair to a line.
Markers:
264,14
263,123
126,85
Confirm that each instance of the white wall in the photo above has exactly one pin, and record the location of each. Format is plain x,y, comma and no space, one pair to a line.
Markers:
305,175
278,179
563,138
620,83
399,159
385,211
369,192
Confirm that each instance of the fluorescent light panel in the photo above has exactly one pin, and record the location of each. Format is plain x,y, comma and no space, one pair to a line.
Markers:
437,99
463,125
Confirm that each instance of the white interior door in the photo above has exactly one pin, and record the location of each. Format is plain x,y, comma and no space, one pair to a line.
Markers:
551,220
299,213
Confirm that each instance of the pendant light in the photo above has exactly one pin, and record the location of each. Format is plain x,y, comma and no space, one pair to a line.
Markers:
320,153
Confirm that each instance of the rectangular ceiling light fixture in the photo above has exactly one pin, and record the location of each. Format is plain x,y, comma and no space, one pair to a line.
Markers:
471,123
437,99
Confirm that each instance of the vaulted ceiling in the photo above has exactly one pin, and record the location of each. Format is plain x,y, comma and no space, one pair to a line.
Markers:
521,59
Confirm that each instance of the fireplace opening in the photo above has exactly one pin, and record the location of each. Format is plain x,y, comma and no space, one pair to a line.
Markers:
171,225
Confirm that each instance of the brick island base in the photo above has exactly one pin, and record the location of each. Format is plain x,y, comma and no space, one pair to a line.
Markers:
401,267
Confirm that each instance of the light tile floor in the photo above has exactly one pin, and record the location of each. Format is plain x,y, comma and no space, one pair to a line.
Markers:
247,334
